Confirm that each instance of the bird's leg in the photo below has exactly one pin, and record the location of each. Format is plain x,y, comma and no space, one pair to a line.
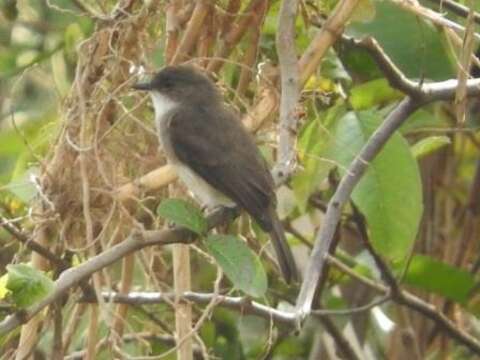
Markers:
209,210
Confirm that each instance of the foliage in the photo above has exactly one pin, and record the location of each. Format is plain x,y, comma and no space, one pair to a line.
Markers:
416,204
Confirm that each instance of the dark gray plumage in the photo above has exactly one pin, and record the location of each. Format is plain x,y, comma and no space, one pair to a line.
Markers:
213,153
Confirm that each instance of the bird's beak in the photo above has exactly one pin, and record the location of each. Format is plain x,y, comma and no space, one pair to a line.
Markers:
145,86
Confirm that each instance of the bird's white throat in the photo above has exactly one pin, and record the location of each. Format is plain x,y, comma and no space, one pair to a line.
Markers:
162,104
205,193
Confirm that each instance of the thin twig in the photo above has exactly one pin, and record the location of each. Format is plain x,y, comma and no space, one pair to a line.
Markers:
192,32
456,8
73,276
33,245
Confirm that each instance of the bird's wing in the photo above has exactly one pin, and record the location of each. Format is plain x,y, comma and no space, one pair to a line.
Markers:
215,145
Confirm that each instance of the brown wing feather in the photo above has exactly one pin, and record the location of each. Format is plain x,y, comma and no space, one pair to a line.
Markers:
226,158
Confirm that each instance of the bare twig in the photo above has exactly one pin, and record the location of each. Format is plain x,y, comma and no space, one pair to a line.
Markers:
433,16
468,49
316,265
57,348
235,34
73,276
329,33
192,32
456,8
344,346
183,311
393,74
33,245
172,29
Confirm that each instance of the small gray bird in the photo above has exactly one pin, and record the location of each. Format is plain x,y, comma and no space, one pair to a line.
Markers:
212,152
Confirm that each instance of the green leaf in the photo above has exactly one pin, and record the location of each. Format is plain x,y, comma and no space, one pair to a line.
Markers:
415,46
389,194
313,142
435,276
27,285
373,93
184,214
311,145
239,264
425,118
429,145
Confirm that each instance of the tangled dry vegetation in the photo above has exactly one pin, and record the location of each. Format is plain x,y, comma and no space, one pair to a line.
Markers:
103,178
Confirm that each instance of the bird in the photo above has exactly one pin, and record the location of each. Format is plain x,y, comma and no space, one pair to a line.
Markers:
213,153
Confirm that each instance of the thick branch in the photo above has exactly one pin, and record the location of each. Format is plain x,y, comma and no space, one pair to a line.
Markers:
329,33
317,261
287,57
192,32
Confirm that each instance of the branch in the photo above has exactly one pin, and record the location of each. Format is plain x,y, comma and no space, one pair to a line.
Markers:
456,8
433,16
289,74
33,245
413,302
236,33
192,31
329,33
73,276
318,257
393,74
419,305
247,306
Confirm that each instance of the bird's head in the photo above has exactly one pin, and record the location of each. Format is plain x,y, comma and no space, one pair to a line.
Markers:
180,84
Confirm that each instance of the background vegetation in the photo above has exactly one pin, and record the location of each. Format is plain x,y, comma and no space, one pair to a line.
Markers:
83,186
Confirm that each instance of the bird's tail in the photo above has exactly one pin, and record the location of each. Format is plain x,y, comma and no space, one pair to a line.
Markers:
282,249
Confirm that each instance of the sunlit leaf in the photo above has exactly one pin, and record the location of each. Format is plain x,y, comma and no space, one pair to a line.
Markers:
239,264
389,194
429,145
435,276
183,213
414,46
373,93
27,285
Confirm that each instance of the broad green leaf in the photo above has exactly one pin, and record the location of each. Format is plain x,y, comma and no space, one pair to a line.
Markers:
425,118
389,193
435,276
312,145
429,145
239,264
23,186
373,93
184,214
27,285
414,45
